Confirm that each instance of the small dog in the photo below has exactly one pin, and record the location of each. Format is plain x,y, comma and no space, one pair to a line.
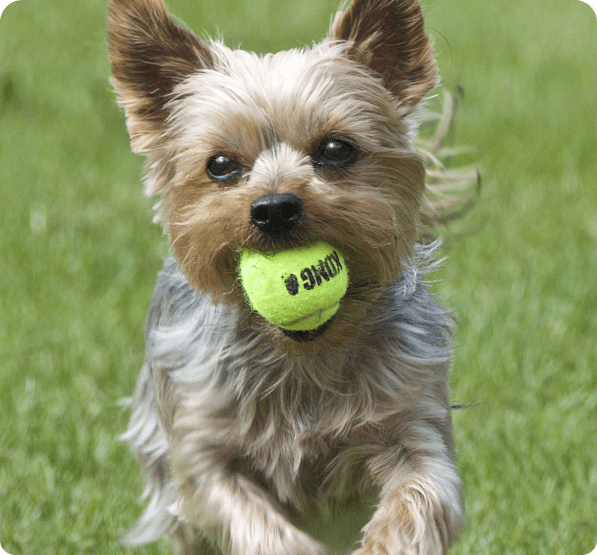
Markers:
248,432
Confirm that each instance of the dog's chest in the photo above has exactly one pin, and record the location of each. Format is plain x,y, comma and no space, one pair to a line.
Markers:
295,457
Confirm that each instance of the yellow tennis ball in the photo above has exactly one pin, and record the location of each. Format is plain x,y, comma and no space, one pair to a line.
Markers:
295,289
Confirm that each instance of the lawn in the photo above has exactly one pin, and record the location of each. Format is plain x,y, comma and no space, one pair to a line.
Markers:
79,257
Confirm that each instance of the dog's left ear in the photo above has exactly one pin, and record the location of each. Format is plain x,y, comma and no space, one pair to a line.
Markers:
388,36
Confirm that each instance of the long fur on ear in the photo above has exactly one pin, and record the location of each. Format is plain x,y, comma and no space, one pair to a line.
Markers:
388,36
149,56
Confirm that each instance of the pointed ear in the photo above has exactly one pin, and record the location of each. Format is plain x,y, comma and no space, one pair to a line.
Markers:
388,37
149,56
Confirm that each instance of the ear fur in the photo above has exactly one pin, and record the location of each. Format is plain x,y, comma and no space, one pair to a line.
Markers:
388,36
149,56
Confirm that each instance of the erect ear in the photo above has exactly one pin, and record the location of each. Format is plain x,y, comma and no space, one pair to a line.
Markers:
149,56
388,36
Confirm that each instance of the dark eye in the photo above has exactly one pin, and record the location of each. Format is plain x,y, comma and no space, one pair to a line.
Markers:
335,153
221,168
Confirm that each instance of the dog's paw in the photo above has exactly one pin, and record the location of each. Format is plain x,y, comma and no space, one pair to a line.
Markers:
395,546
410,520
372,548
300,543
277,538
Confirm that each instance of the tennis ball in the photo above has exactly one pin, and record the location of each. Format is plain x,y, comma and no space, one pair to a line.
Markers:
295,289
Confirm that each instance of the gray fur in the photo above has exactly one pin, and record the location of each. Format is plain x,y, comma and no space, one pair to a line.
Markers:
214,392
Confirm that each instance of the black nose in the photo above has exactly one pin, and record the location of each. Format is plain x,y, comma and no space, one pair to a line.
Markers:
277,214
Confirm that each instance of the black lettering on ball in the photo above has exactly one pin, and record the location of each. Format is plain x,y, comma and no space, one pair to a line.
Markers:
292,284
308,279
329,266
336,259
312,276
317,275
323,271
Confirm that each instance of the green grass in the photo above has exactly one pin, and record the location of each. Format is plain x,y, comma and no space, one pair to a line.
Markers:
79,256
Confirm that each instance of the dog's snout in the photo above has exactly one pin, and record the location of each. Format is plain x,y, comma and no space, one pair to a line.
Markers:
276,214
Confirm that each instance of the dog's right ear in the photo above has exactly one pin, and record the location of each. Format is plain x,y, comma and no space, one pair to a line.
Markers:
149,56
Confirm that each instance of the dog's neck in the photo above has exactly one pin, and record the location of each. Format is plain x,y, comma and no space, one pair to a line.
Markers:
202,343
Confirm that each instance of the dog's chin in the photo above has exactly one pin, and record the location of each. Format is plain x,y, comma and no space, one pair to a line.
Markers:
340,330
334,334
306,336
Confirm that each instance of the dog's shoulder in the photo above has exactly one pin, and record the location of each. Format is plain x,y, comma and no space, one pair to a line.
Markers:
173,298
182,324
419,325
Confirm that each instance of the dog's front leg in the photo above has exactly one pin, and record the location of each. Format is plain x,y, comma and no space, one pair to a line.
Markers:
420,509
230,508
240,518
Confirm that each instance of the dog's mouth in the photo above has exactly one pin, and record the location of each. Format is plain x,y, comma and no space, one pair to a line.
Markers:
307,335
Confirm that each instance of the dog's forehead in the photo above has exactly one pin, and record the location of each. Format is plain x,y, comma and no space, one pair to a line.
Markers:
293,96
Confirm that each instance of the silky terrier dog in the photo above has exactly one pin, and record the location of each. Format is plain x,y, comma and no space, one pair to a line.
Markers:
256,439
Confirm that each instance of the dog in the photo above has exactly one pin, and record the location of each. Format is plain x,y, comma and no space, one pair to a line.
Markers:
249,432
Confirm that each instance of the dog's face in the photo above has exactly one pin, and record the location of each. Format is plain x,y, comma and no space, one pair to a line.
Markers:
282,150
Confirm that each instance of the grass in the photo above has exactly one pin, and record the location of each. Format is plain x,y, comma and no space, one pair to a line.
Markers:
79,256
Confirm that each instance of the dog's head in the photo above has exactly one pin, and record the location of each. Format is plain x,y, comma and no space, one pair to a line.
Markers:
269,152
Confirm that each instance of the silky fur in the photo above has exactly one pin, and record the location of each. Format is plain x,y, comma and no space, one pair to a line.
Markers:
238,425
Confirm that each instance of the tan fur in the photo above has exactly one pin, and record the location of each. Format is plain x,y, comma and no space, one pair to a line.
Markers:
409,521
281,423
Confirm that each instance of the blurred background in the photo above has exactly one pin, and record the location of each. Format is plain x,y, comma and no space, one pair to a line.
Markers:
79,257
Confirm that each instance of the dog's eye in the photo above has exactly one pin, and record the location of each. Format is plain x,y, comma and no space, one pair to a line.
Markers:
335,153
221,168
